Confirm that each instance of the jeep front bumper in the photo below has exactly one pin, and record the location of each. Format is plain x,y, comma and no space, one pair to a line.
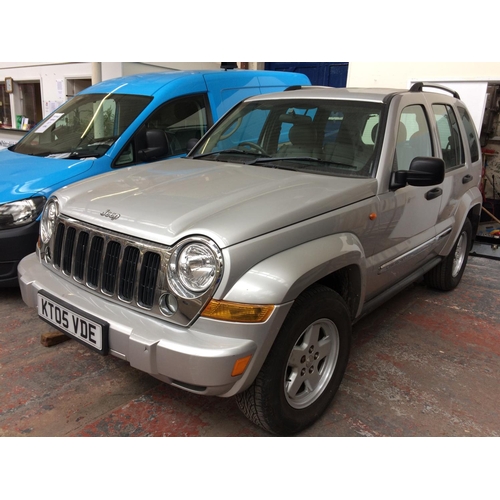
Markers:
199,358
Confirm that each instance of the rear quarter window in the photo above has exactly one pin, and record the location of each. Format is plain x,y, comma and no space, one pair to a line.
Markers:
470,130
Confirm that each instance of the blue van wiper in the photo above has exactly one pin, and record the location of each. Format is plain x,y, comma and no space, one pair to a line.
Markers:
68,155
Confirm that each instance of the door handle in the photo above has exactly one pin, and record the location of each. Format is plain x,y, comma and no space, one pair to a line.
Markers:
433,193
466,178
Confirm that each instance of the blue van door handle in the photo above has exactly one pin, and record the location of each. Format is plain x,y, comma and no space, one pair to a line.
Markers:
433,193
466,178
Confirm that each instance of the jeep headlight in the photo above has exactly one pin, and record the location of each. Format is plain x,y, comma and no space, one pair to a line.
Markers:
49,216
194,266
20,213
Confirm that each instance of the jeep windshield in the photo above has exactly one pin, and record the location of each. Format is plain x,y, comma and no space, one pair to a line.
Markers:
86,126
322,136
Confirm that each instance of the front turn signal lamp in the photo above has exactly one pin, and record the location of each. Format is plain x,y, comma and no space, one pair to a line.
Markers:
237,312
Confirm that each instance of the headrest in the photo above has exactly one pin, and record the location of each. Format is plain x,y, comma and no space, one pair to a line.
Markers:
302,134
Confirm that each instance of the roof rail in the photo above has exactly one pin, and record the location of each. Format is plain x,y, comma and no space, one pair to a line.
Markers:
298,87
419,86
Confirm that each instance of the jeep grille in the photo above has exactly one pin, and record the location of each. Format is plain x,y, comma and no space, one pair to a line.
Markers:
127,270
113,265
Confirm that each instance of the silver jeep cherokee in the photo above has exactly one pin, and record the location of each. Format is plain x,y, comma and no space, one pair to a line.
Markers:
240,269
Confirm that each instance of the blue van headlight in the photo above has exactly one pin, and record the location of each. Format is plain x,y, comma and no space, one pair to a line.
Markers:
49,216
21,212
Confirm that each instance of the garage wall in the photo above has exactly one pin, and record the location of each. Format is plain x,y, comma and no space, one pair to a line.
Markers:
50,73
400,74
469,79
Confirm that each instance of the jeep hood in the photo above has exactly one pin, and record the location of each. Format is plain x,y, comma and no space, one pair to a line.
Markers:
228,202
23,176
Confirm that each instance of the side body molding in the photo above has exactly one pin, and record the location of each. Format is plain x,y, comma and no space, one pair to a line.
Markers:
282,277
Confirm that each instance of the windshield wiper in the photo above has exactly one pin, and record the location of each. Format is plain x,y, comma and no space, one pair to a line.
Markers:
270,159
232,151
68,155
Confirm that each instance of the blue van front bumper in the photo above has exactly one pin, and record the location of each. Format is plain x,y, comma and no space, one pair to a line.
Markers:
14,245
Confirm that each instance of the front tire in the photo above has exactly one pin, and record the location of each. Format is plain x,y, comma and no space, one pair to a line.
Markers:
447,275
305,366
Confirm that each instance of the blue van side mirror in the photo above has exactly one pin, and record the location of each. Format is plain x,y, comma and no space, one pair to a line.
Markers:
157,145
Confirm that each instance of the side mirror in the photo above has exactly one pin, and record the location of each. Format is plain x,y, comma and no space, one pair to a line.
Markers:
424,171
157,145
191,144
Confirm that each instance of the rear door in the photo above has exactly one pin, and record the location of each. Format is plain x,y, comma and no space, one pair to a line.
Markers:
458,145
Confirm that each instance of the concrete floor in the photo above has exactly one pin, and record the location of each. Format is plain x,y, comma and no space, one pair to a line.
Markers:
424,364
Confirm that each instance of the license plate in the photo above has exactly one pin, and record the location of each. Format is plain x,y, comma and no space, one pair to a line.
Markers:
81,326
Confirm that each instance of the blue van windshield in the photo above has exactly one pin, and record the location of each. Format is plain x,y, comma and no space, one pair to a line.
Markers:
85,126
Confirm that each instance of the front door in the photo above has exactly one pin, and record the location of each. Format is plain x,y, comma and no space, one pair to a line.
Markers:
405,226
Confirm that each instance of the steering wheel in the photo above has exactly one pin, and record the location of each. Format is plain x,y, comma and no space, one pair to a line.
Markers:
253,146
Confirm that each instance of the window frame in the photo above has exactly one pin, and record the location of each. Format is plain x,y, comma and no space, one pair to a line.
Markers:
17,106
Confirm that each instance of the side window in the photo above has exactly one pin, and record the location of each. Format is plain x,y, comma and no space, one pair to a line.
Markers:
181,119
413,137
449,135
470,130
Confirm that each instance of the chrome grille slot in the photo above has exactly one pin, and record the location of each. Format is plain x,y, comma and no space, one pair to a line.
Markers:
68,250
128,273
147,281
94,261
80,253
109,272
58,245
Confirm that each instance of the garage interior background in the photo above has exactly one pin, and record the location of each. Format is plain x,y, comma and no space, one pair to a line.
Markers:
30,91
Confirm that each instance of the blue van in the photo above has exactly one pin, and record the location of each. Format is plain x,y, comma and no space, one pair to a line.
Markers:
116,123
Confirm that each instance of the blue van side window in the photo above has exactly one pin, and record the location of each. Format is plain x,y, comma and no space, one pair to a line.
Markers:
182,120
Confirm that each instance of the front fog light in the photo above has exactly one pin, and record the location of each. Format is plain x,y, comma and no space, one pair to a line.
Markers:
168,304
